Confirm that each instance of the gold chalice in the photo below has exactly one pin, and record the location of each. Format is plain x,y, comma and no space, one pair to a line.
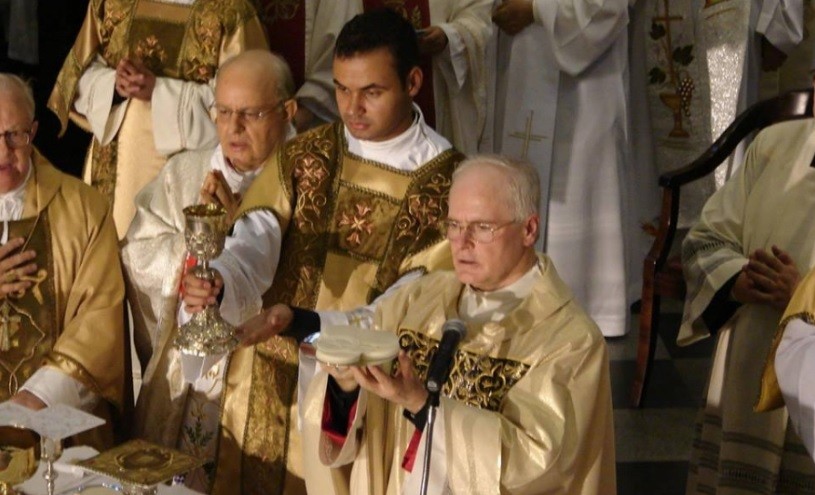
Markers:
19,457
206,333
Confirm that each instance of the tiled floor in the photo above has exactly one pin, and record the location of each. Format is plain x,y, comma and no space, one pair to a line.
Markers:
654,442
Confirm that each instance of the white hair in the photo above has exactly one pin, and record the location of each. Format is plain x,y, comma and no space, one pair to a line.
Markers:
20,89
523,182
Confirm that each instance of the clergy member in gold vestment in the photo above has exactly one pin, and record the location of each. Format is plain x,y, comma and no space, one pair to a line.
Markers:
337,217
254,103
527,406
139,78
61,291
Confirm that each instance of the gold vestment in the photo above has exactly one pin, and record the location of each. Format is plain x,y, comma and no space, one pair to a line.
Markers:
351,227
71,318
182,42
526,410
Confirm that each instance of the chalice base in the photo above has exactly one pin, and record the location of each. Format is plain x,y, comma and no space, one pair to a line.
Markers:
206,334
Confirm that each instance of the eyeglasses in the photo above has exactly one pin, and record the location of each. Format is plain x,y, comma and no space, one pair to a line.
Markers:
480,232
245,114
17,139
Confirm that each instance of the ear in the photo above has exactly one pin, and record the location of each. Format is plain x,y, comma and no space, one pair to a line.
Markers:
290,108
34,127
414,81
531,228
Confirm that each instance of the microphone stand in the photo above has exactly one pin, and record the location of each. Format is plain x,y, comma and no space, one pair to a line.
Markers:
433,402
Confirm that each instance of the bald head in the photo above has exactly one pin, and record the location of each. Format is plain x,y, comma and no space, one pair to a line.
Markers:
265,71
254,106
18,91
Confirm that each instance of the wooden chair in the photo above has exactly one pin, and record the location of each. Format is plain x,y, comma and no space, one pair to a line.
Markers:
662,275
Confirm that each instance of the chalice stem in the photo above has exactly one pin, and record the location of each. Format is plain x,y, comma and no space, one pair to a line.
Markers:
50,475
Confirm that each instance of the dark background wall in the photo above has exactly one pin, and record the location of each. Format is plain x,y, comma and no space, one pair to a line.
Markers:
58,24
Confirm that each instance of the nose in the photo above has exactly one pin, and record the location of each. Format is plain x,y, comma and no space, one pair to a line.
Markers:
5,149
355,105
234,123
463,240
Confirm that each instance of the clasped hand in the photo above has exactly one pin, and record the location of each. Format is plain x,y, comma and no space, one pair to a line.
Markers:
513,16
432,40
134,80
768,278
404,388
15,267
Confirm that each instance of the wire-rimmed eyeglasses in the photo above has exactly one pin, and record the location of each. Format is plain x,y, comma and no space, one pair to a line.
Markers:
17,138
246,114
480,232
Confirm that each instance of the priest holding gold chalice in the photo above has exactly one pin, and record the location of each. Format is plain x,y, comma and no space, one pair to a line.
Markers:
526,407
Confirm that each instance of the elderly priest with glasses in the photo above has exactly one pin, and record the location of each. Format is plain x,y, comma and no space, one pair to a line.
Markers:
253,109
527,405
61,290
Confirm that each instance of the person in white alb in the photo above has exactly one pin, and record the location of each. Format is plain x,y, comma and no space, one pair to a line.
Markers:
558,97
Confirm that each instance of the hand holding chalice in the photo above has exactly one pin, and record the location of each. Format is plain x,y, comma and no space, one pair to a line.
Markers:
206,333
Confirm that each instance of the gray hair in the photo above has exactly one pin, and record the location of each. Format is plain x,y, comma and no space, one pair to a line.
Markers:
272,63
285,81
20,89
523,183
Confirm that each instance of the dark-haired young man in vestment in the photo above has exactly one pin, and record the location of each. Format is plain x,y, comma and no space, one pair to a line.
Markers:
340,215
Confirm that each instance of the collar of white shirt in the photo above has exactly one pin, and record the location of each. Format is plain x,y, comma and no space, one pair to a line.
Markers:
482,306
408,151
239,181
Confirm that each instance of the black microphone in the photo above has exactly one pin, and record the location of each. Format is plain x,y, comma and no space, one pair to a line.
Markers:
452,332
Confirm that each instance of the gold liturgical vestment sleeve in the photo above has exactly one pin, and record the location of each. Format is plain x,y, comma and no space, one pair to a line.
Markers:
526,410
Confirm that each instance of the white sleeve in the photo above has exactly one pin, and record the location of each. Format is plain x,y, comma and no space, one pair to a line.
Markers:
181,118
581,31
454,64
363,316
782,23
94,100
248,264
795,367
53,387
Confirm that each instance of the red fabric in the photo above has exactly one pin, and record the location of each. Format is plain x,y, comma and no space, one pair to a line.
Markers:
336,437
189,262
417,12
410,454
285,24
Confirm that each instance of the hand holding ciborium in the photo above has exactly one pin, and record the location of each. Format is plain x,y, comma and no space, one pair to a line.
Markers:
206,333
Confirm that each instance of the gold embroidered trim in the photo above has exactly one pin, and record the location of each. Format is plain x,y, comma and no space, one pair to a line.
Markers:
266,438
477,380
103,168
29,328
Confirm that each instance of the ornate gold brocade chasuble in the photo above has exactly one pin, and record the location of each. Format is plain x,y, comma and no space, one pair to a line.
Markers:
173,40
353,218
477,380
351,228
28,319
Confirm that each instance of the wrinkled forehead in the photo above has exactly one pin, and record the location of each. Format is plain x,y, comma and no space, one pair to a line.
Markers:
14,112
245,89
